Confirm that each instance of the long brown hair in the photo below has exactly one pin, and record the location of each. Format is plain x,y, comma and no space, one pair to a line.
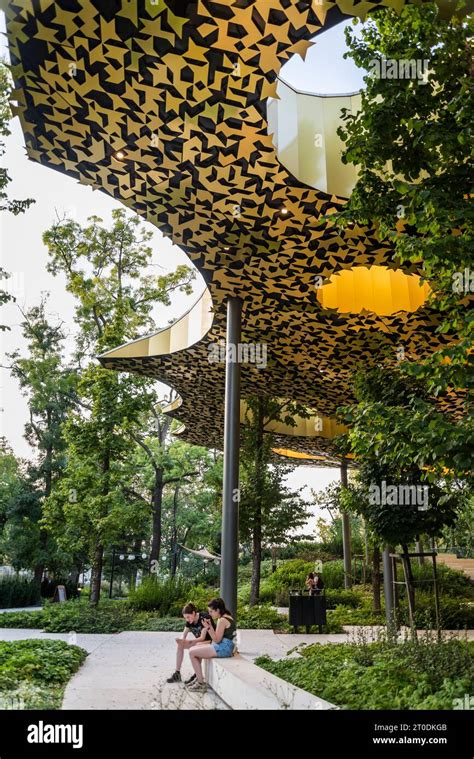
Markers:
218,604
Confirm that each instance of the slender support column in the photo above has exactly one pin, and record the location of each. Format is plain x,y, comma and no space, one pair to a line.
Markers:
388,585
231,496
346,535
112,573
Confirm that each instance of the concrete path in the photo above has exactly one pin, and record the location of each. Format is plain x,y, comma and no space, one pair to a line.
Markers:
129,671
21,608
125,670
88,641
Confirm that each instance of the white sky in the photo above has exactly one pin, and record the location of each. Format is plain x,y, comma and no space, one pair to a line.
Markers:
23,254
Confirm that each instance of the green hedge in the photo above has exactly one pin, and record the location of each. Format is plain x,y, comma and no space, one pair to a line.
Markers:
425,675
18,591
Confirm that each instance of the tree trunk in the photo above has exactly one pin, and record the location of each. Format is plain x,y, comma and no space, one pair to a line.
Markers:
419,549
410,586
376,579
37,578
40,566
274,560
96,573
157,508
174,534
257,563
74,578
257,526
43,536
366,553
98,558
136,548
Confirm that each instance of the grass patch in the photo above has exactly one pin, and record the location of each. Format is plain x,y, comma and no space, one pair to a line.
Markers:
382,675
34,673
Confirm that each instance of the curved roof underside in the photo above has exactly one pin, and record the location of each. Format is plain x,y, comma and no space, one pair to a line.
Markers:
181,88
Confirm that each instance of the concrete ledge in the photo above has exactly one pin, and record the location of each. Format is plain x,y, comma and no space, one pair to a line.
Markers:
243,685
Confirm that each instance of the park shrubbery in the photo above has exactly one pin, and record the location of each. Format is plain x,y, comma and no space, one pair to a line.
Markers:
408,675
245,570
33,673
156,605
77,616
165,596
168,596
451,582
455,613
82,617
261,618
118,616
339,597
362,615
291,575
18,591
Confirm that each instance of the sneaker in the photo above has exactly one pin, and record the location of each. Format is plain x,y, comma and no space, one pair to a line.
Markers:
175,678
198,687
190,680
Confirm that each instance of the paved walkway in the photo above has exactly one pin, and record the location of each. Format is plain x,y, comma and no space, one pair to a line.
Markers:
128,670
21,608
125,670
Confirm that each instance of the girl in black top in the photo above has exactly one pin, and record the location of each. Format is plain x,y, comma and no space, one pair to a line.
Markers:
194,620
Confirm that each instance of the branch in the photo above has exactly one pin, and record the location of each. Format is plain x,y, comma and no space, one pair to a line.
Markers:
181,477
131,491
146,448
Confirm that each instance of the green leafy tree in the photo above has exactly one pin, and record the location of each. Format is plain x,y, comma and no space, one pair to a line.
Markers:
412,143
106,271
161,462
190,514
269,511
460,536
386,457
49,387
12,486
334,500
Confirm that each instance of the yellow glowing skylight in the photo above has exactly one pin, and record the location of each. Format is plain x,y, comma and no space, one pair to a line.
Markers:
378,289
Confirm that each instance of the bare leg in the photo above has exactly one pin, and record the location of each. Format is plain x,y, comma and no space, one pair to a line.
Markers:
182,646
198,653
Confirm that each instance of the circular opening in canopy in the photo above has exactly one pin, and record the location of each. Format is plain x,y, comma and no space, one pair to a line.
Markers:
313,74
376,289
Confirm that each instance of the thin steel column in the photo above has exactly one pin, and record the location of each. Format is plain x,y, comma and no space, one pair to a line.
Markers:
388,584
346,535
230,495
